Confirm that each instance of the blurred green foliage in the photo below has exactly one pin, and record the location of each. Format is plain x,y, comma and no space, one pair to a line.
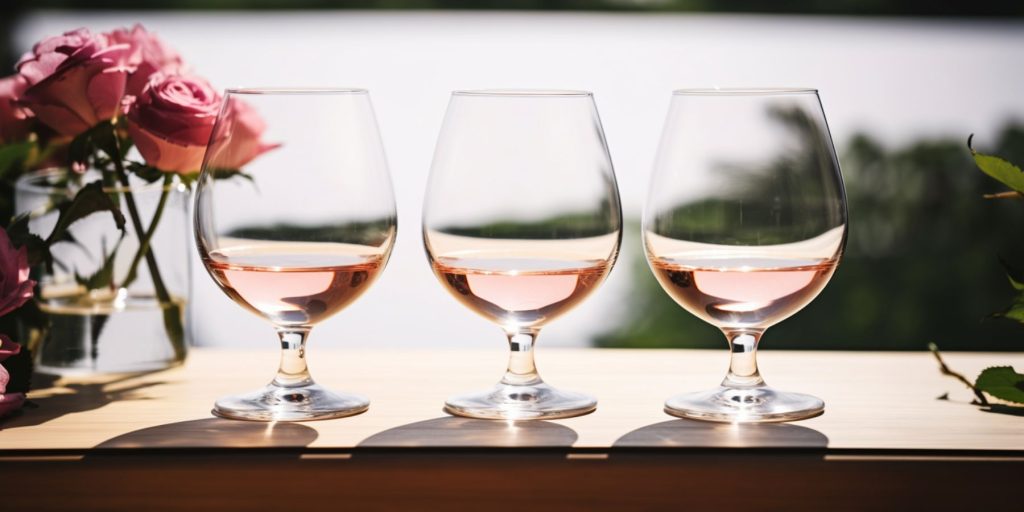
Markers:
922,262
370,232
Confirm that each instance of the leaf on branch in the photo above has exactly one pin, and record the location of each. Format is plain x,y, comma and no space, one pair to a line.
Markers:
1016,278
1015,311
1002,382
104,277
147,172
37,248
999,169
224,174
89,200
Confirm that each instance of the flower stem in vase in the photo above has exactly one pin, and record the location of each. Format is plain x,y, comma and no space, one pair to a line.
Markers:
171,310
145,241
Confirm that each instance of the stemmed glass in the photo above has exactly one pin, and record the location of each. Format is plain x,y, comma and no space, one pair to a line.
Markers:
745,223
302,235
521,222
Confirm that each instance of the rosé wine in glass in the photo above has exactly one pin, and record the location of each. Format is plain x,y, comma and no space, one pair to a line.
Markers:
521,224
303,237
744,225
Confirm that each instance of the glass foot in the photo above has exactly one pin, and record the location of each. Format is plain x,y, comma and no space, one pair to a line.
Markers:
507,402
304,403
744,405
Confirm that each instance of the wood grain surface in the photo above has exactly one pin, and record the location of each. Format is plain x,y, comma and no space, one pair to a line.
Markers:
874,402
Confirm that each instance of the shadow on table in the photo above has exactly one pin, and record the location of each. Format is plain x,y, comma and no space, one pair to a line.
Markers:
683,433
76,397
216,433
1012,410
449,432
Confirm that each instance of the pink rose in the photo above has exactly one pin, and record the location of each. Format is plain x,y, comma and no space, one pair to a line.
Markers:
15,121
15,286
242,128
8,401
76,80
171,121
149,55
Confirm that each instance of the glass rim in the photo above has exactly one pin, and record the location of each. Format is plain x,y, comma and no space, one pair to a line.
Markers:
28,182
523,93
743,91
295,90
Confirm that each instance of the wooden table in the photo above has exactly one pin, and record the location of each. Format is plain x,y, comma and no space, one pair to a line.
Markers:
148,442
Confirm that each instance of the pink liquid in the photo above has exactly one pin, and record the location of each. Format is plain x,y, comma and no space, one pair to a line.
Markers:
752,293
519,291
290,286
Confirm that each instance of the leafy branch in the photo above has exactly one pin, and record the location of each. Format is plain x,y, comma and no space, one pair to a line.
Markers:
1011,176
946,370
1001,382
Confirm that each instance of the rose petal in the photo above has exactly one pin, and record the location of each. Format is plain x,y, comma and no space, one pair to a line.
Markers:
164,154
38,68
61,94
8,348
10,402
60,119
105,91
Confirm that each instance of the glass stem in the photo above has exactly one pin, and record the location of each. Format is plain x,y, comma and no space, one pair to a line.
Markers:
293,372
522,371
743,371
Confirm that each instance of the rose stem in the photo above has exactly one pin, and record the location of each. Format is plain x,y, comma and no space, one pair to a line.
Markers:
145,242
174,331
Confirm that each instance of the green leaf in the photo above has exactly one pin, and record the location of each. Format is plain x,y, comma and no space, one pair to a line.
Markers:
38,249
1003,171
224,174
147,172
104,138
13,156
89,200
1002,382
1017,285
104,277
1016,278
1015,311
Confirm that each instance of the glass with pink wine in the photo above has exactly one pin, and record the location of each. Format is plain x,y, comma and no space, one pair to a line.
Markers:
521,223
307,233
744,224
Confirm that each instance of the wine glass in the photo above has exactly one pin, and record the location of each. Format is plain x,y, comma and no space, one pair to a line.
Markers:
301,235
744,224
521,222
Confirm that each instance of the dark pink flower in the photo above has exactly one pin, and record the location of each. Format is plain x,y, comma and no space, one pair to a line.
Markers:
15,286
76,80
15,120
8,401
171,121
149,55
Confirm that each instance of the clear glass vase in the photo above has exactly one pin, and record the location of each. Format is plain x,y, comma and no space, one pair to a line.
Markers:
110,307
